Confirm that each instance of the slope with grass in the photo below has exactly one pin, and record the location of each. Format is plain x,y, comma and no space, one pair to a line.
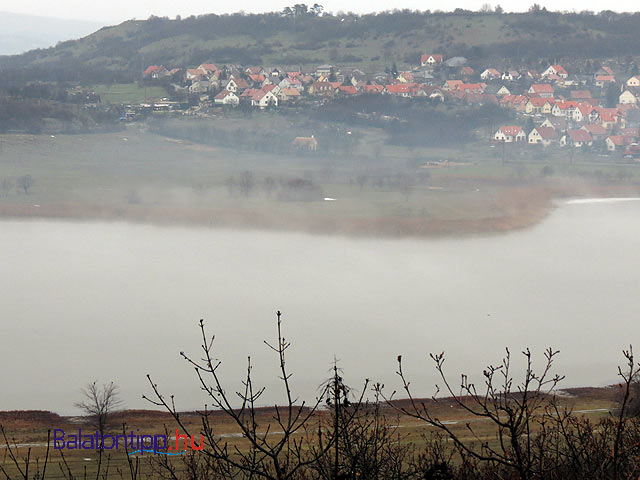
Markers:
373,41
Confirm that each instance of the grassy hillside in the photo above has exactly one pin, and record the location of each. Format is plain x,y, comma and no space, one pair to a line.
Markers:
121,52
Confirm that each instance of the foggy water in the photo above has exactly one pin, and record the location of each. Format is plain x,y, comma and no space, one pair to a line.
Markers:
115,301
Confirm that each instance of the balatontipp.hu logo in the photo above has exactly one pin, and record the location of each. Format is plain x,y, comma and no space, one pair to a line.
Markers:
157,444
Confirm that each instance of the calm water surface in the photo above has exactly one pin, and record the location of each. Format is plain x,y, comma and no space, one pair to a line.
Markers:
115,301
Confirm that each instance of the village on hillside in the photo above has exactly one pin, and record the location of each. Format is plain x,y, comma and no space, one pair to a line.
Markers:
554,107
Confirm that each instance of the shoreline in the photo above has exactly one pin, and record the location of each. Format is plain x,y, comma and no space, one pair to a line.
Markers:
518,209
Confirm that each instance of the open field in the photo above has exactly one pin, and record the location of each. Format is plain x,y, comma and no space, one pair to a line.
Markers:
139,176
127,93
29,429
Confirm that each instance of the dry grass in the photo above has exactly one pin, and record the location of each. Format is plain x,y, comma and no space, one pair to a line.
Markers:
31,427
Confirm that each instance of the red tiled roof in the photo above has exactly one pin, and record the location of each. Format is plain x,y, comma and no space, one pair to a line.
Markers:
373,88
222,94
541,88
567,105
595,129
617,140
511,130
399,88
151,69
210,67
349,90
580,94
425,57
580,135
547,133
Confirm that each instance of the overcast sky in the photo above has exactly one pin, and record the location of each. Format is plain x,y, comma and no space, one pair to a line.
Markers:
116,11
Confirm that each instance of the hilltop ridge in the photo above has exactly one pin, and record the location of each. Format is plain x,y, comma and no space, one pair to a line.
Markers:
372,41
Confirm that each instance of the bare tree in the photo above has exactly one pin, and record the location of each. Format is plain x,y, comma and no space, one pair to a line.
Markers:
286,455
246,183
25,182
516,410
5,186
99,402
23,466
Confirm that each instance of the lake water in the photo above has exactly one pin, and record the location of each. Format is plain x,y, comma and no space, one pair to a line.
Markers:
115,301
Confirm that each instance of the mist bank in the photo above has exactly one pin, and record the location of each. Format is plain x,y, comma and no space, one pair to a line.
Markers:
378,190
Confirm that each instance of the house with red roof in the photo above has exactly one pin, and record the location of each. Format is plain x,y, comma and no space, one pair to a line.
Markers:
430,59
466,71
597,131
254,71
373,89
399,89
577,138
544,136
532,74
288,94
209,69
264,98
515,102
450,85
324,89
541,105
256,78
604,80
580,95
584,112
543,90
608,116
615,143
557,70
510,134
155,71
606,70
406,77
564,108
472,87
347,90
490,74
225,97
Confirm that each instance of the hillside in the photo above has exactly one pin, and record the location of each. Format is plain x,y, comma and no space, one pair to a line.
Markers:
120,53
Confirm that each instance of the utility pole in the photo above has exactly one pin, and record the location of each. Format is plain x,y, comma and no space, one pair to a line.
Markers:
504,152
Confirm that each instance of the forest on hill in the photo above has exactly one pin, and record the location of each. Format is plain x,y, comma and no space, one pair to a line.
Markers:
306,37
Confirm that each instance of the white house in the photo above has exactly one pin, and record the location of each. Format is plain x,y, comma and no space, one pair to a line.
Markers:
577,138
627,97
264,99
429,60
225,97
490,73
510,134
231,85
555,70
199,86
615,142
543,135
634,81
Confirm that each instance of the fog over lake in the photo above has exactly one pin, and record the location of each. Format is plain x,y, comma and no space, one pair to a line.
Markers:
115,301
